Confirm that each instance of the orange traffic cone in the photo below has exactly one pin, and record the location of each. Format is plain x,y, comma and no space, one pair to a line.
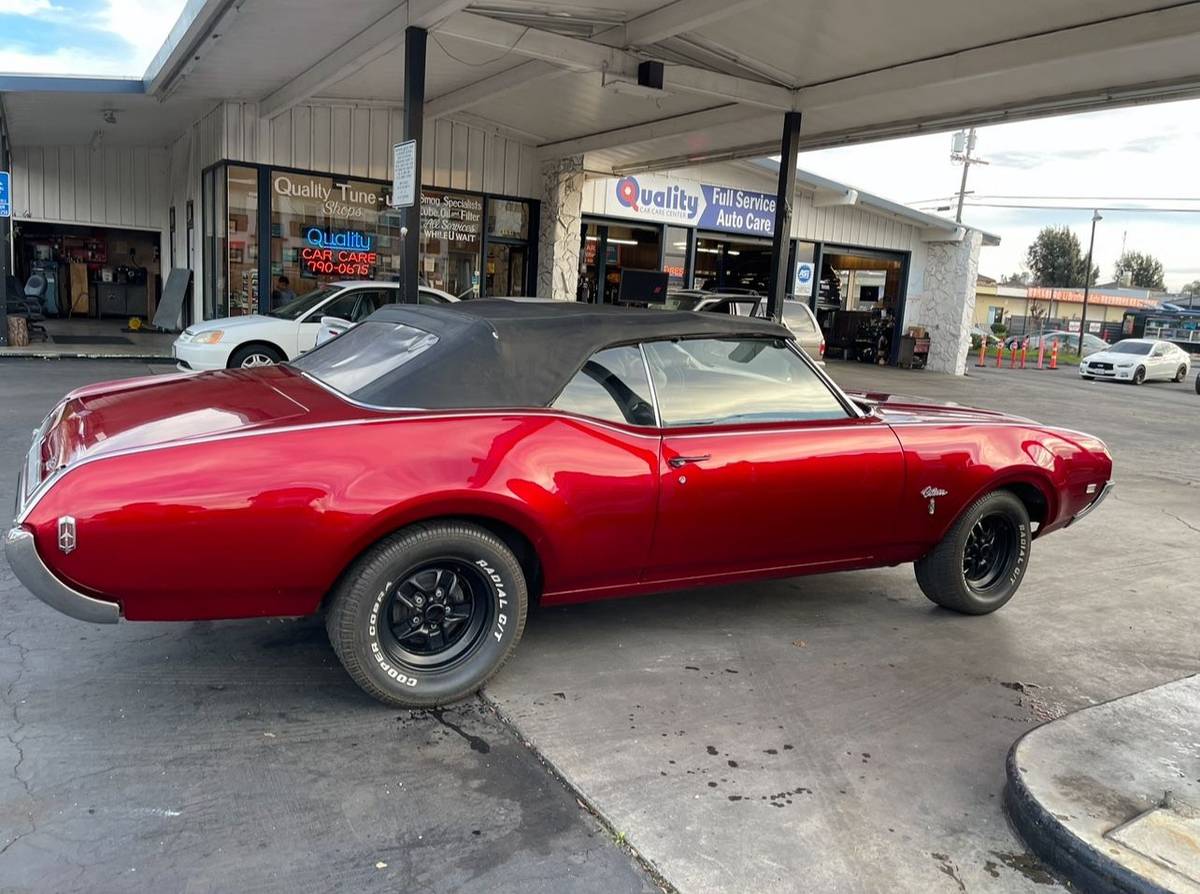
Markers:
1041,352
1054,356
1012,360
999,355
1024,351
982,352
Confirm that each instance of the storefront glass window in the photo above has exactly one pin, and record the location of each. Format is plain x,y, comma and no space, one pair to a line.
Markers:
505,268
242,240
451,241
675,253
325,229
607,250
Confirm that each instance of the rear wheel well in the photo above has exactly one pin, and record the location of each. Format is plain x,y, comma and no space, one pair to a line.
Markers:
520,545
1032,497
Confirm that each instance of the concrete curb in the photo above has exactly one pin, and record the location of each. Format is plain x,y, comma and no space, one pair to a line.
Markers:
1081,864
82,355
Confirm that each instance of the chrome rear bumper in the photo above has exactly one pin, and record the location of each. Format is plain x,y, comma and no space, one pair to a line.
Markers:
1092,505
21,552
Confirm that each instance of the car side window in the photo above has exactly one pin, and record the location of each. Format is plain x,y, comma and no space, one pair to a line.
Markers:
424,297
612,385
341,307
715,381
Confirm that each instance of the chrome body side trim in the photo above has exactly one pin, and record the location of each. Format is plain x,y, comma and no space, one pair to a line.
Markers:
21,552
1090,506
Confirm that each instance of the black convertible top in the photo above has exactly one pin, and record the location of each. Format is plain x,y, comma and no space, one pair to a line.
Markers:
498,353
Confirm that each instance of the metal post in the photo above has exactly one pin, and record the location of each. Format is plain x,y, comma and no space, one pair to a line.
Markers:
962,189
5,230
789,149
414,120
1087,280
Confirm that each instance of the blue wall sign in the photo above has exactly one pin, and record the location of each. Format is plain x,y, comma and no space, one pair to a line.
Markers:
5,194
686,203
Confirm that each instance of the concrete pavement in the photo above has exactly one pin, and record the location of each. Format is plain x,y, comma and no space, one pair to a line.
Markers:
840,733
1110,795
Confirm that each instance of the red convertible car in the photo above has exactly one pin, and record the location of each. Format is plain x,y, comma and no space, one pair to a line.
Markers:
425,476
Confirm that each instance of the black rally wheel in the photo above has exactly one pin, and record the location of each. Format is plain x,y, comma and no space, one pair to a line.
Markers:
429,614
1181,374
1139,375
980,563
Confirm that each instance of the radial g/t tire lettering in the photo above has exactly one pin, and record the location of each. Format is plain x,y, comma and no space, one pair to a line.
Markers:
980,563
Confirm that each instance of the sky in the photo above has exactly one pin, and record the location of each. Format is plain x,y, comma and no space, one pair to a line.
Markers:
1145,151
94,37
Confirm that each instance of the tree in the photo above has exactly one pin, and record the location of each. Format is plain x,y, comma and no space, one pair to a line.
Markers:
1015,279
1192,288
1055,259
1144,270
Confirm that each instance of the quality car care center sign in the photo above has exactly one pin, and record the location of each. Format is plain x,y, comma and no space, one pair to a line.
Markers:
687,203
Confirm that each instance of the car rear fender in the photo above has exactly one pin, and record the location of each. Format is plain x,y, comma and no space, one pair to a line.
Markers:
508,519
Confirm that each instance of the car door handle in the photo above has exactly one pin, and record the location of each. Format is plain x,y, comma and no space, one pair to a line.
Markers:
676,462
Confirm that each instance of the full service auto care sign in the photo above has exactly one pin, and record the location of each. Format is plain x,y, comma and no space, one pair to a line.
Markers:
690,204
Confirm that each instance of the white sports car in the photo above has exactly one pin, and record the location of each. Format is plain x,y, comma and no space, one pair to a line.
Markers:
1138,360
288,331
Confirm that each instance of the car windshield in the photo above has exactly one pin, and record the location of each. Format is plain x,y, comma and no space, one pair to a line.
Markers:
298,307
357,359
1131,347
683,301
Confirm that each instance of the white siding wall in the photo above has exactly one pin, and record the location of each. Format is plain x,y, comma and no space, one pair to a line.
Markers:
356,140
113,187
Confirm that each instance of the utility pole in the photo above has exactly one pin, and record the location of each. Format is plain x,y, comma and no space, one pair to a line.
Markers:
962,148
1087,279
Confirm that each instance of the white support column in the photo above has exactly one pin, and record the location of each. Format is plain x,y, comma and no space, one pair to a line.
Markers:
947,305
559,234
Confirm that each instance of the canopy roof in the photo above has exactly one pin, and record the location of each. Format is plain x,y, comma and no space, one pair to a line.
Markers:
564,75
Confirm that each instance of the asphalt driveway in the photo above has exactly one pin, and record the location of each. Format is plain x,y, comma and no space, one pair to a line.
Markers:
238,756
831,733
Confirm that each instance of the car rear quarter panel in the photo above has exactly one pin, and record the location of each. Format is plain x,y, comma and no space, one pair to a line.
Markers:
264,524
970,460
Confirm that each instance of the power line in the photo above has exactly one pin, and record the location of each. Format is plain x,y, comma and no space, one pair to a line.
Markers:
1113,208
1087,199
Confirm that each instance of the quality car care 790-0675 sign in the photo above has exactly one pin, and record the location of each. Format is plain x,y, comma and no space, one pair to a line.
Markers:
338,253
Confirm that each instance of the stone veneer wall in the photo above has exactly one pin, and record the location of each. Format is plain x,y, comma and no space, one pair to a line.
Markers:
559,231
946,306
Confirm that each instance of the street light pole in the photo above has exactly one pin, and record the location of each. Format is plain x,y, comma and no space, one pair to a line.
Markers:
1087,279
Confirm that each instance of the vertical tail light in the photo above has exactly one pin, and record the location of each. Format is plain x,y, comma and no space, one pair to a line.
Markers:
822,349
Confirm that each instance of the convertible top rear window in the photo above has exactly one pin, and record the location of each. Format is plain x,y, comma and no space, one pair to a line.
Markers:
351,363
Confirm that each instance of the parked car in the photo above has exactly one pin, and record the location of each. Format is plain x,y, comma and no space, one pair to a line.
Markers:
288,331
1066,341
421,478
1138,360
740,302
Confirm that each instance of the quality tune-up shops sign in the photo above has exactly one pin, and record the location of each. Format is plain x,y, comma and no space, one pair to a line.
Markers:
686,203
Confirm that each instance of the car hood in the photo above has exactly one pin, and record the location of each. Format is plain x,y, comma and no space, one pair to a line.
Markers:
1115,357
898,409
226,324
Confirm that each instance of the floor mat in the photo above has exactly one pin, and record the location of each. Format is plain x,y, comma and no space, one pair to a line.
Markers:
90,340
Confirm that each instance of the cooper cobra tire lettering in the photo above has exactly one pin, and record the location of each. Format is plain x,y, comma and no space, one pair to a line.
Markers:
362,626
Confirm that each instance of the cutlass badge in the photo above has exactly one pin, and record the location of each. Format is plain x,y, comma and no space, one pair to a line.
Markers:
66,534
931,494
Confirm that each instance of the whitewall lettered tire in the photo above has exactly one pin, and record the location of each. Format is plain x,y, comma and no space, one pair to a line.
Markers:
429,614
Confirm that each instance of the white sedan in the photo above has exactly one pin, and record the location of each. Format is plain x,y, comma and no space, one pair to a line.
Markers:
1138,360
289,330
